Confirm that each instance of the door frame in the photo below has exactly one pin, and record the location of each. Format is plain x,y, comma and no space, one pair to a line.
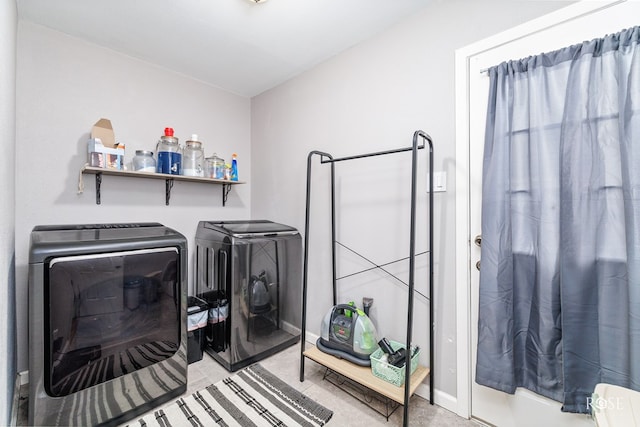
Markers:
463,238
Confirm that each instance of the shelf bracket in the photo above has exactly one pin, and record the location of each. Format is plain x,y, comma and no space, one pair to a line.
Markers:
98,184
226,188
168,187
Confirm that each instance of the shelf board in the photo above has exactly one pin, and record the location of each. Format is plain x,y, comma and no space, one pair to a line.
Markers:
169,179
153,175
364,376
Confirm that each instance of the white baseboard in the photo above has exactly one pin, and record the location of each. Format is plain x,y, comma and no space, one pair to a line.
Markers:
23,377
441,398
311,338
15,402
289,328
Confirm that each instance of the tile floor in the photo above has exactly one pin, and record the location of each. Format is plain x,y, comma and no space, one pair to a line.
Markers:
347,410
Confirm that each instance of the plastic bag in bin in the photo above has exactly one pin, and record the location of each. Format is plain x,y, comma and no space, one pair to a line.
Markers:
196,313
219,313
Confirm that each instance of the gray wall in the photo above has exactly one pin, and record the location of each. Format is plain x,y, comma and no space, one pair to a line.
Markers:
8,23
370,98
64,86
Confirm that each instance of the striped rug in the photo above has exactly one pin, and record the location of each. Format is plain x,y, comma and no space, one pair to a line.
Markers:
252,397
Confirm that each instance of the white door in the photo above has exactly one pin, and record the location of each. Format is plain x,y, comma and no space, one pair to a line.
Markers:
524,408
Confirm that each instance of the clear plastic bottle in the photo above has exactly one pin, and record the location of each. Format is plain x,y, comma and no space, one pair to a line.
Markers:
193,159
144,161
215,167
169,154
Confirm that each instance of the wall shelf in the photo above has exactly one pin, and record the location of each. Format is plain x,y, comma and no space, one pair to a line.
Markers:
169,180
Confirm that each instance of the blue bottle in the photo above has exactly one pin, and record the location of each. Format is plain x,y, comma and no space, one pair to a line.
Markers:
169,154
234,167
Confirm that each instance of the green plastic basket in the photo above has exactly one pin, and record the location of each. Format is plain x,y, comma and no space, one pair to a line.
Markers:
392,374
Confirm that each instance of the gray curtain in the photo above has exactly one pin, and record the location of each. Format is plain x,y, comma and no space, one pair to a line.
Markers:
560,279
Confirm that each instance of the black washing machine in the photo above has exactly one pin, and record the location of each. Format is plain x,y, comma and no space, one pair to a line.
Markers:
250,274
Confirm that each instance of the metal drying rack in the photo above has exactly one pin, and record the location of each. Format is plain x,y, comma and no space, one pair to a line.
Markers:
327,158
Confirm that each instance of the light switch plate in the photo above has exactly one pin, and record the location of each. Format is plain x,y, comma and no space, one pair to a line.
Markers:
439,182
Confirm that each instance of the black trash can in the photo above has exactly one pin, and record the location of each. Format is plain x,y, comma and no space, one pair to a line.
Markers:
197,313
216,331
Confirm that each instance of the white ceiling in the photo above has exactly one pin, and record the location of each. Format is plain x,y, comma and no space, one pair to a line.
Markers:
237,45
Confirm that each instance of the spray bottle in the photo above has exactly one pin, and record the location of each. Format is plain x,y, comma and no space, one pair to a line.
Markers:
234,167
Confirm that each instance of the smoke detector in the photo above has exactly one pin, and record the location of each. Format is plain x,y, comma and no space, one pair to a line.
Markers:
258,1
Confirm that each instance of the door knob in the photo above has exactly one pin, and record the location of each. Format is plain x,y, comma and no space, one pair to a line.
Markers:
478,240
478,265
